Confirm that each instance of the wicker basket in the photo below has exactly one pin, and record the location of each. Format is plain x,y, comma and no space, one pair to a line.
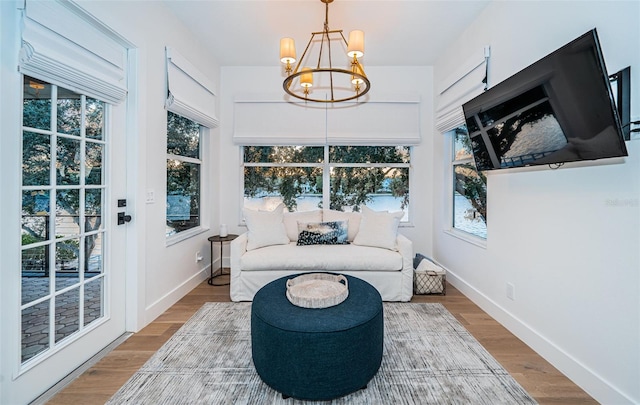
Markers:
317,290
428,277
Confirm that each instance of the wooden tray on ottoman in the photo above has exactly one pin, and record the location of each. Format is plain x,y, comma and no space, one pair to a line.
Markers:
317,290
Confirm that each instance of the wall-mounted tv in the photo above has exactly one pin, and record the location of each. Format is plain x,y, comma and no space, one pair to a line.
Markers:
559,109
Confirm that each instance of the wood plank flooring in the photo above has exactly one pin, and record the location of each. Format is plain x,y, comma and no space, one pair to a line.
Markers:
544,382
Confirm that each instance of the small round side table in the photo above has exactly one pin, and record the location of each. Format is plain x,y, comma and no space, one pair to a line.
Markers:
219,239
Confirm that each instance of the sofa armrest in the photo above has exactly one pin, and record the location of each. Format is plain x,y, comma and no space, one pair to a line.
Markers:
405,247
237,247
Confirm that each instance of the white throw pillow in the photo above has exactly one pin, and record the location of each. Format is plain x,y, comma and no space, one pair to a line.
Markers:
266,228
378,229
291,220
352,217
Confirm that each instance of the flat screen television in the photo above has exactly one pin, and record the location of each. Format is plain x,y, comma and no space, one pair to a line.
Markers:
559,109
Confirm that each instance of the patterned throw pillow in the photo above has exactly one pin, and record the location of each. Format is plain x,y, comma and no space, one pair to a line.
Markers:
322,233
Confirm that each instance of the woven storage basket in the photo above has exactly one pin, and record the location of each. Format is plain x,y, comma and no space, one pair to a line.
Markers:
428,277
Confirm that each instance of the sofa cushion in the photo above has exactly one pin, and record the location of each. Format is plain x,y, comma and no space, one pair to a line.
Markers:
378,228
291,220
322,258
265,228
352,217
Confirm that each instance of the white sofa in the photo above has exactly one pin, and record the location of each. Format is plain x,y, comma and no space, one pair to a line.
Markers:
387,265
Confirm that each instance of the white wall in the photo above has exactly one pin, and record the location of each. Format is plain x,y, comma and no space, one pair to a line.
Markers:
567,239
386,83
159,274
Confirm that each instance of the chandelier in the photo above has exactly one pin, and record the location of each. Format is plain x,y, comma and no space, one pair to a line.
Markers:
318,74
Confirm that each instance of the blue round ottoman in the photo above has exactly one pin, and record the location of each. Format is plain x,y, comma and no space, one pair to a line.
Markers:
317,354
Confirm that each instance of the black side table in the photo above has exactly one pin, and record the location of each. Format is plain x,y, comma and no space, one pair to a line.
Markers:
219,239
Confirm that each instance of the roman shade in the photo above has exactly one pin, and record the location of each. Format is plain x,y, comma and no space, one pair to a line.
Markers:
468,81
277,122
189,92
65,46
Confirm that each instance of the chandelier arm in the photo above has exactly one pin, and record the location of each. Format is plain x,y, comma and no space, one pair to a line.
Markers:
365,81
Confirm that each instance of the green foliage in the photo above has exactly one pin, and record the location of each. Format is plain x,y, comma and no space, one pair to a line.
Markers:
287,175
468,181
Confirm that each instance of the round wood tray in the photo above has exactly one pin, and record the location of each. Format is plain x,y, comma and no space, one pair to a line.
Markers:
317,290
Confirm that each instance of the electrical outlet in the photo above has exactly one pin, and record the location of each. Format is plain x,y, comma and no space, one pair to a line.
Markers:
511,291
198,256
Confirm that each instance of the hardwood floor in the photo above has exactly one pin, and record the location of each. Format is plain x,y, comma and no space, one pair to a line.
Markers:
544,382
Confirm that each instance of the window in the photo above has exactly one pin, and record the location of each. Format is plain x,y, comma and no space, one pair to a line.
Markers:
184,168
469,198
375,176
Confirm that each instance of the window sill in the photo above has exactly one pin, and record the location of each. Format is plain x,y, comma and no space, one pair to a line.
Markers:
467,237
179,237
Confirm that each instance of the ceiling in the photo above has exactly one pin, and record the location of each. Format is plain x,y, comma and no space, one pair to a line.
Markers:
397,32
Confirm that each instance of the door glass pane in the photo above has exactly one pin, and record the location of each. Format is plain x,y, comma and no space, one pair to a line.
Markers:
69,109
35,216
35,273
93,255
93,209
67,313
95,119
67,205
35,330
93,163
36,106
36,158
67,263
93,297
68,162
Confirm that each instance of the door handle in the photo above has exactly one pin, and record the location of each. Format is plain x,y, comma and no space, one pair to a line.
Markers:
122,218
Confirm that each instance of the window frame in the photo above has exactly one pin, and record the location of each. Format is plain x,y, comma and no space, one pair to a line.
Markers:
204,163
326,166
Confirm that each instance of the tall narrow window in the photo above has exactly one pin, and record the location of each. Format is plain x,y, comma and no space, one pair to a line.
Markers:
184,169
469,198
63,194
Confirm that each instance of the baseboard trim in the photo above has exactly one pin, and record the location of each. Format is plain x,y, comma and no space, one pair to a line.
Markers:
601,390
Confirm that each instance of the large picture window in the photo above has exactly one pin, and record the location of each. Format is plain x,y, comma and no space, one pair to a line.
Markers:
469,198
343,178
184,168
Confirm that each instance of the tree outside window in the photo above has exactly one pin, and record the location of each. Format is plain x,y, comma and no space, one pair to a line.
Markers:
469,187
183,174
375,176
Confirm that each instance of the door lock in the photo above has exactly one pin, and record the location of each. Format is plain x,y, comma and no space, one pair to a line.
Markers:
122,218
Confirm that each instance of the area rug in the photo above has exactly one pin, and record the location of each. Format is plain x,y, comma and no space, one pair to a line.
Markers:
429,358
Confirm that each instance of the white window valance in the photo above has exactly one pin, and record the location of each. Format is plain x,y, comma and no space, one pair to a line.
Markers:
285,123
189,92
465,83
64,45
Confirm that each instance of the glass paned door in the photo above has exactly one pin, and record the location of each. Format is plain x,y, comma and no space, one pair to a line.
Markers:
63,276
